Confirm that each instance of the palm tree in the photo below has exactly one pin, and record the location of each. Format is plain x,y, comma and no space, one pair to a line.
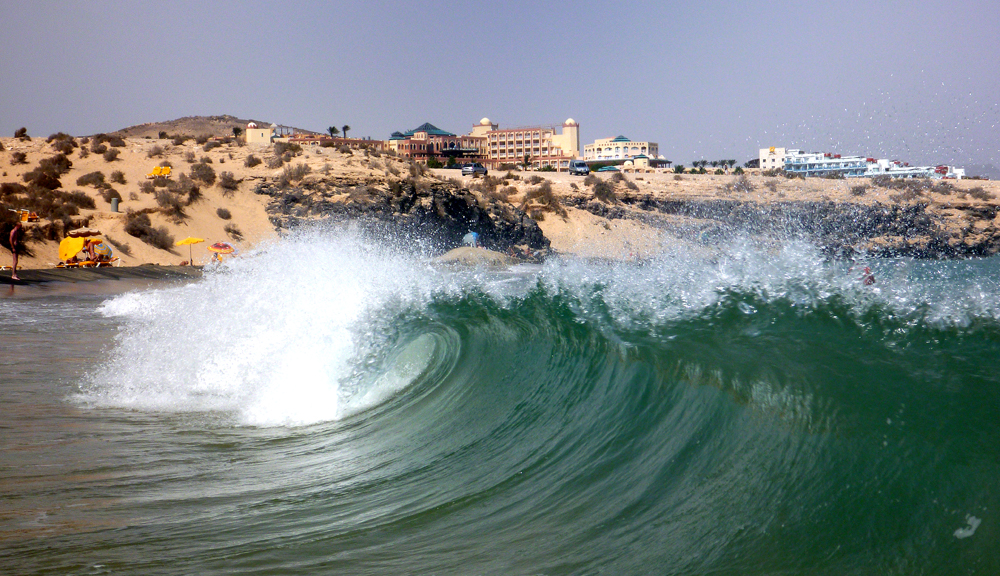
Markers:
715,163
345,129
333,130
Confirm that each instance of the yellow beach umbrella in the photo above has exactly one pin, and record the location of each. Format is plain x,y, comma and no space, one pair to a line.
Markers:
189,241
70,247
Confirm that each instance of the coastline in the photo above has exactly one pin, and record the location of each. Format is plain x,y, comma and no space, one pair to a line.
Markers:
36,276
646,213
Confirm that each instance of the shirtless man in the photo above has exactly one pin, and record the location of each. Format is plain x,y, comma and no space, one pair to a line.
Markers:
15,246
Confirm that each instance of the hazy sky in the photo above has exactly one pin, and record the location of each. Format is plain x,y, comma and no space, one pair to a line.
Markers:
918,81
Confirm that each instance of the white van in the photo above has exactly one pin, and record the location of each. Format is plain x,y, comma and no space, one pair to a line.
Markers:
579,168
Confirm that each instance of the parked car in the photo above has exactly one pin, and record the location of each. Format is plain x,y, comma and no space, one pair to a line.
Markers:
607,169
473,169
578,168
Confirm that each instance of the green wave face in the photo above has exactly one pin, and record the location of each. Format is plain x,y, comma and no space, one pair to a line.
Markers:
749,411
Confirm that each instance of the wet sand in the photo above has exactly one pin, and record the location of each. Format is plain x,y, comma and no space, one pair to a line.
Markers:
73,275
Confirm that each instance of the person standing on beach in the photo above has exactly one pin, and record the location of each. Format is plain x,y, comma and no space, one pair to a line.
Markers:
15,241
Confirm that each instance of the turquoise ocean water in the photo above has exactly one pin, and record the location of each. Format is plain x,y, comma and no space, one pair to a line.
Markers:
330,406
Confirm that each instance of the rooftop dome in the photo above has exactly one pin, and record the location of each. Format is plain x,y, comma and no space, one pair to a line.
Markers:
570,122
252,125
484,122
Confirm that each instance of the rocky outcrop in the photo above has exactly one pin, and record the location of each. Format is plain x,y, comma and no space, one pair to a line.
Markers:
916,229
435,211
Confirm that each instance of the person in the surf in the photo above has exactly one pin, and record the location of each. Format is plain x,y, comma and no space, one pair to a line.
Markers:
15,247
867,276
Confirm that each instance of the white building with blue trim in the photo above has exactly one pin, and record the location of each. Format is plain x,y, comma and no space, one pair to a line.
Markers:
826,164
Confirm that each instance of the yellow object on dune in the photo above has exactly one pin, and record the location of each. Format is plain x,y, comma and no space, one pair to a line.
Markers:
156,172
165,172
70,247
190,240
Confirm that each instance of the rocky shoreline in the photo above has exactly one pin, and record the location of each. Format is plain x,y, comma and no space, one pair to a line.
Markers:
435,211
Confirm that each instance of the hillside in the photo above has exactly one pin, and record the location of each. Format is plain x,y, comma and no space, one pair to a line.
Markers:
213,126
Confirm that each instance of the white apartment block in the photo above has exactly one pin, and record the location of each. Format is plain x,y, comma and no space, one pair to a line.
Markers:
820,164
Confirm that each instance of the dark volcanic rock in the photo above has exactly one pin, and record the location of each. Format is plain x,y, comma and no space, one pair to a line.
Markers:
904,229
434,211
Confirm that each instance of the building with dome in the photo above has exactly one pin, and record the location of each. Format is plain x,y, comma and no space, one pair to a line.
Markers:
544,145
254,134
619,148
427,142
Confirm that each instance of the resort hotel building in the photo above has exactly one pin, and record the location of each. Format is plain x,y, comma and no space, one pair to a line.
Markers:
427,141
541,144
822,164
619,148
544,146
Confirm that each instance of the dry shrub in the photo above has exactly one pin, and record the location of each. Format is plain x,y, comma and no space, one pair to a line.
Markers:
137,224
79,199
98,147
223,213
535,179
155,152
211,145
251,161
147,187
190,158
228,183
108,194
64,146
741,184
202,172
487,184
110,140
417,169
543,198
184,186
282,148
203,138
118,177
18,158
771,185
293,174
275,162
605,192
979,193
859,190
942,187
111,155
591,180
234,231
171,205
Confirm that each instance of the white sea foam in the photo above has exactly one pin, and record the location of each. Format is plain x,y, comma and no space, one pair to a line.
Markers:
268,338
274,336
972,523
